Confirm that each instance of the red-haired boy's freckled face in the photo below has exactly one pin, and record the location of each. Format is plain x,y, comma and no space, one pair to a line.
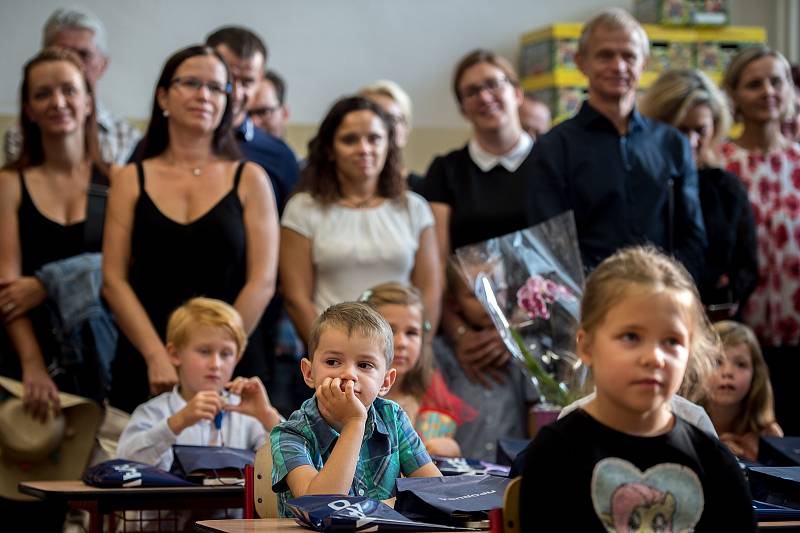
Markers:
353,358
206,361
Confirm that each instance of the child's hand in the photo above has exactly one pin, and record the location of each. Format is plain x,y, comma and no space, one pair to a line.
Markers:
482,353
443,446
204,406
254,401
338,403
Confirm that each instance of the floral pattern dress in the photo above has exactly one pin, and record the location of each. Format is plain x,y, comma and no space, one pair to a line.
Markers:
772,181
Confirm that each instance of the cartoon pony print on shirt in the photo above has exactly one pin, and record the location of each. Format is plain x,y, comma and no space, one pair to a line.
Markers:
667,498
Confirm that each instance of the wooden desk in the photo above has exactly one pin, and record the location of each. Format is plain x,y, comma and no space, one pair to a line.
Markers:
99,501
260,525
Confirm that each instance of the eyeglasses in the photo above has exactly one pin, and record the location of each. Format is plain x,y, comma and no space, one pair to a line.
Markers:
264,112
192,84
493,85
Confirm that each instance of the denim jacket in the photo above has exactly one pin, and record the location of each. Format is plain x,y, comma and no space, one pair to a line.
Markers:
73,287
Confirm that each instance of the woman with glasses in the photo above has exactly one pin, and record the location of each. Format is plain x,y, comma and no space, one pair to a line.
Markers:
397,104
44,216
476,192
189,220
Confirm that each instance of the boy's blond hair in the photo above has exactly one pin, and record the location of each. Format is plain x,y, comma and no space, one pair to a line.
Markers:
351,317
206,312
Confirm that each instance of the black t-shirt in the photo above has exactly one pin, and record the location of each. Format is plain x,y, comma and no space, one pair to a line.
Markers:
483,204
583,476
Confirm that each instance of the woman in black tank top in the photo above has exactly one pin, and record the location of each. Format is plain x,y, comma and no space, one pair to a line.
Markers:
188,221
43,216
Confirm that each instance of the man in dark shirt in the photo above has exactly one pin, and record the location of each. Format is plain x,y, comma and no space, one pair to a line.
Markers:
246,56
628,179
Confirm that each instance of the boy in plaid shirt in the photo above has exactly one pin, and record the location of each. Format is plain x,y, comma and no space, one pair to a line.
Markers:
346,439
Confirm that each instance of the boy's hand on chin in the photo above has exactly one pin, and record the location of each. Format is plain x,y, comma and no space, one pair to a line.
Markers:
338,403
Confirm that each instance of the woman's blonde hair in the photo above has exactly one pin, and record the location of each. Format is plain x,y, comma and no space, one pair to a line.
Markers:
676,92
392,90
758,405
733,75
418,378
206,312
646,268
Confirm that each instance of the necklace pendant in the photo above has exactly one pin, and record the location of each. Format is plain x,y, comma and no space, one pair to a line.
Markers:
196,171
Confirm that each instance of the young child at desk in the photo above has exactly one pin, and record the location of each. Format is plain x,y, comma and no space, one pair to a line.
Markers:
624,461
346,439
205,339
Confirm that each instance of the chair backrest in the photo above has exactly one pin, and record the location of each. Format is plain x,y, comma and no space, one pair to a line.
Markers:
265,500
511,507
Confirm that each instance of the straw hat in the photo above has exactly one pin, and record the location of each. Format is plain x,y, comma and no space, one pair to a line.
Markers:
34,451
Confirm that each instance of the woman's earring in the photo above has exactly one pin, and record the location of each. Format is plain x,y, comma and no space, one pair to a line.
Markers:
165,113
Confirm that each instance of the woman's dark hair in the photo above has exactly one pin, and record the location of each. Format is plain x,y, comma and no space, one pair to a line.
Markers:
32,152
320,179
156,139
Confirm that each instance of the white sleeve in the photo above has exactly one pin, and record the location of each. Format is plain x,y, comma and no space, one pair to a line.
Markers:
147,438
420,213
301,214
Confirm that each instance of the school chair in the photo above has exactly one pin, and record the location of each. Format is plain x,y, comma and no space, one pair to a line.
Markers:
511,506
260,501
506,520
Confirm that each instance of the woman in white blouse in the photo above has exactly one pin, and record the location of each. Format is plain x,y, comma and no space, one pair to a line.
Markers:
353,224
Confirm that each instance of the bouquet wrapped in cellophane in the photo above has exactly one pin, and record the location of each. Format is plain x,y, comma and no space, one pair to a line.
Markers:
531,282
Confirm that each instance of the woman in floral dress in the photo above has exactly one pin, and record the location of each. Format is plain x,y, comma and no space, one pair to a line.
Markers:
759,84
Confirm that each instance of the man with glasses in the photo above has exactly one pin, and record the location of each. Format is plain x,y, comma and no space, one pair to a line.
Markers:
268,107
628,179
246,56
82,32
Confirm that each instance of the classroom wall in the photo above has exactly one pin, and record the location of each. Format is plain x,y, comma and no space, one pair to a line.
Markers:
323,48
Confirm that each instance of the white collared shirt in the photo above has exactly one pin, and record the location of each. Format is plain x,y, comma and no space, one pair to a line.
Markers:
148,439
511,160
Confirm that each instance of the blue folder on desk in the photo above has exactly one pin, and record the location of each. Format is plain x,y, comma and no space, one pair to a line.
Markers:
775,485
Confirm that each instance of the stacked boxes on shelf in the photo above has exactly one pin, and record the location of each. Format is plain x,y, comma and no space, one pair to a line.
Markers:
683,12
549,73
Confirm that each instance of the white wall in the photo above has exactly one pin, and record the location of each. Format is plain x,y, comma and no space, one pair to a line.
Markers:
324,48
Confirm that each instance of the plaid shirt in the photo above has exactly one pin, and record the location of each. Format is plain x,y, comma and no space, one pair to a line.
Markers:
117,138
390,447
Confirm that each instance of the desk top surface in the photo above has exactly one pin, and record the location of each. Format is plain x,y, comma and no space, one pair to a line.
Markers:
79,489
261,525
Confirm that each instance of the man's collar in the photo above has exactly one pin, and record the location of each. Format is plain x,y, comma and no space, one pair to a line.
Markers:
246,130
326,435
588,115
511,160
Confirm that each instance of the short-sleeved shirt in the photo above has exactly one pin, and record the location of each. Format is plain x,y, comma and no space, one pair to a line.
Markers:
390,447
355,249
